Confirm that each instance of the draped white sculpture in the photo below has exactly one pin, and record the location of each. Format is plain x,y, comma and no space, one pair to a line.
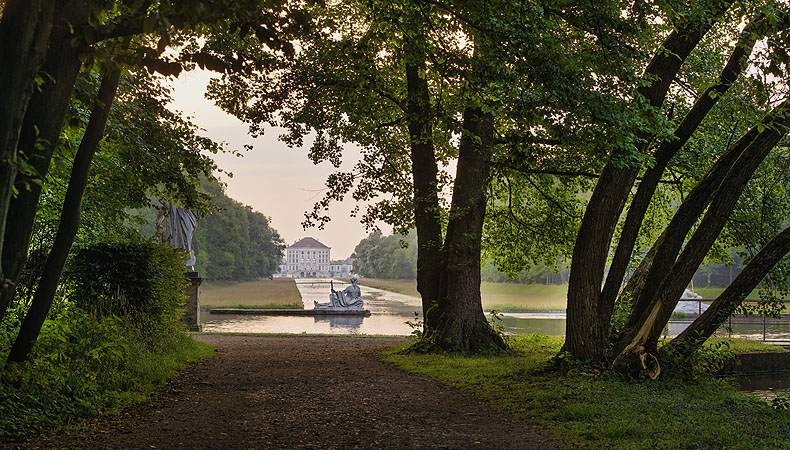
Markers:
175,226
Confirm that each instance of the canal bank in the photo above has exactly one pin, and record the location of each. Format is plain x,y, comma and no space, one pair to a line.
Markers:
397,314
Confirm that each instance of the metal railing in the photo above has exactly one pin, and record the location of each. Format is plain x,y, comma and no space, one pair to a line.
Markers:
759,318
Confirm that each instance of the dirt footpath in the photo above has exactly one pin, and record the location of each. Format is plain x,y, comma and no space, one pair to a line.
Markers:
303,393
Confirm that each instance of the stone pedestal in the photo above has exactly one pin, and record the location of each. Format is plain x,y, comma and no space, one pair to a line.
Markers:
192,303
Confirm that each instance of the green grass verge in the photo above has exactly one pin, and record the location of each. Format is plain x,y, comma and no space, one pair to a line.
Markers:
303,335
587,410
279,293
739,345
713,292
405,287
246,306
499,296
515,296
81,367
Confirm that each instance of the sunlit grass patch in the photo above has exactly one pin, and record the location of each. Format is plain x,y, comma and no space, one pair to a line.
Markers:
499,296
587,409
712,292
268,294
740,345
405,287
510,296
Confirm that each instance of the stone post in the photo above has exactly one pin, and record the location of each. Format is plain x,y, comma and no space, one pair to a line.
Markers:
192,303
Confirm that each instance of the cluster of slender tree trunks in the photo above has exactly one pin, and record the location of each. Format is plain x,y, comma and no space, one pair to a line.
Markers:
654,289
54,52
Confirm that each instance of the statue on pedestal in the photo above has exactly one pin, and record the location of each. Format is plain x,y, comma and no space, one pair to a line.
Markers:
348,298
175,226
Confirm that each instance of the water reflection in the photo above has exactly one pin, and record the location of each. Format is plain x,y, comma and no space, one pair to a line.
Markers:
764,381
352,323
390,311
765,386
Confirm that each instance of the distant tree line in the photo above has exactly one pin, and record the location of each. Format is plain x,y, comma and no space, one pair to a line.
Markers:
234,242
395,257
391,257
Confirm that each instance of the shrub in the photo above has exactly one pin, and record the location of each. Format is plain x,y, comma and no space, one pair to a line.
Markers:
141,282
83,366
112,337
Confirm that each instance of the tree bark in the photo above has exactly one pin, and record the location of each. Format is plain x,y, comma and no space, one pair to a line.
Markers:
69,220
458,322
644,282
725,304
721,207
426,192
588,315
647,187
40,132
24,32
641,336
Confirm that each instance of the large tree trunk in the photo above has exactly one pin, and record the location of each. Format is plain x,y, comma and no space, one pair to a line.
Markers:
725,304
426,192
588,313
40,133
458,322
24,32
639,343
69,221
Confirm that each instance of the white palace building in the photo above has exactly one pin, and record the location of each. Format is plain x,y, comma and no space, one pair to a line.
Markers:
308,258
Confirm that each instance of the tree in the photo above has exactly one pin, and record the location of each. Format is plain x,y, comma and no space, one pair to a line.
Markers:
24,33
417,85
80,26
391,257
69,220
655,287
39,135
111,21
234,242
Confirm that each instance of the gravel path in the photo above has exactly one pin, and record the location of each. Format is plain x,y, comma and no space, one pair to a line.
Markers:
303,393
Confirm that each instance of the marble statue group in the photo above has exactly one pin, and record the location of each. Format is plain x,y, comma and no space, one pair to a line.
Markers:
348,298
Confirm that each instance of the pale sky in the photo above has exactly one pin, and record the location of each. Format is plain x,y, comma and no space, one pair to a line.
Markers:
278,181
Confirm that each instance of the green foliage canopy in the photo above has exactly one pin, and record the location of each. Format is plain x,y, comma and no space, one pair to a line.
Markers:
390,257
234,242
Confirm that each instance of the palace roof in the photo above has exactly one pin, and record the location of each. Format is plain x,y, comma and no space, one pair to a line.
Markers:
307,242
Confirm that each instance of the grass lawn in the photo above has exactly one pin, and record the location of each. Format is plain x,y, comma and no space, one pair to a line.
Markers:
501,296
509,296
740,345
713,292
273,294
587,410
405,287
514,296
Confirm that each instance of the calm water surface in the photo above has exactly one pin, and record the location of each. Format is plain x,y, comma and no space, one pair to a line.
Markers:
765,386
390,311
